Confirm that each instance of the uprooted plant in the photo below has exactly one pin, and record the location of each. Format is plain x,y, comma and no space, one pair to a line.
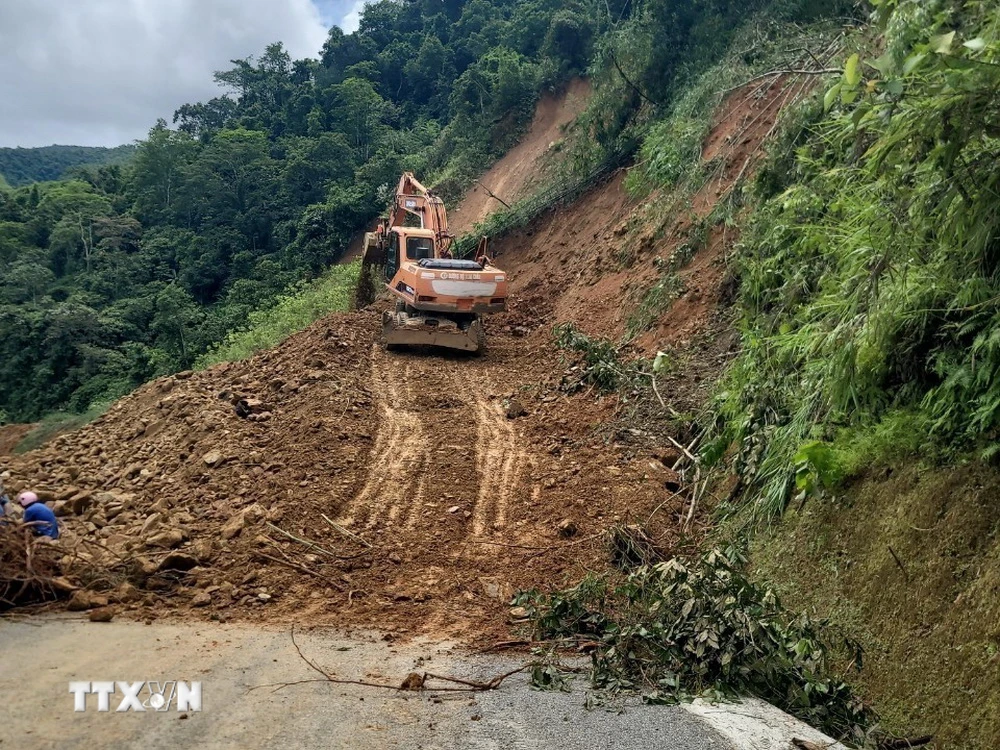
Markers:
688,627
598,362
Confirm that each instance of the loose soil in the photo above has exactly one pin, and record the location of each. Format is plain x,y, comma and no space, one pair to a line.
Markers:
11,435
415,492
513,176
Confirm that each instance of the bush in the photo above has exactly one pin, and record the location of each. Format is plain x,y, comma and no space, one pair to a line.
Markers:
683,628
294,311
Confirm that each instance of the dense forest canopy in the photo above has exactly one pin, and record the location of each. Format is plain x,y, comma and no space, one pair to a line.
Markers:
22,166
127,271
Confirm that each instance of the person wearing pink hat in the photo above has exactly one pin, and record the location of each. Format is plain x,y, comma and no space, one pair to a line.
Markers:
38,515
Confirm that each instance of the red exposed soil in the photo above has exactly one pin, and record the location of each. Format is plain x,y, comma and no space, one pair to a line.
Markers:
430,486
11,435
512,177
411,452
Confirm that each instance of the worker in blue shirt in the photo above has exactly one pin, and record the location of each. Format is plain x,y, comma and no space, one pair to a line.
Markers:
39,515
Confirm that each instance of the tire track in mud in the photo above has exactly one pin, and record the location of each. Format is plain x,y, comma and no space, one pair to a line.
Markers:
421,452
499,460
397,461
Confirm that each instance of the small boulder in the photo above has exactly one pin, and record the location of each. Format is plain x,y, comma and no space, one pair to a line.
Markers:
567,528
168,538
151,523
104,614
213,458
201,599
234,526
515,409
81,502
83,600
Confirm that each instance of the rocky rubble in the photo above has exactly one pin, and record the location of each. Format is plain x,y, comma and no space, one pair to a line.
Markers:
168,494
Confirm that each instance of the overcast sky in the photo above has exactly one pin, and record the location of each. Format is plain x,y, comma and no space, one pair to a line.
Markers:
99,72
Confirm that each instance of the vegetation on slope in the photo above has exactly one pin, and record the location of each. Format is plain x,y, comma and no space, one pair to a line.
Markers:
871,290
22,166
129,271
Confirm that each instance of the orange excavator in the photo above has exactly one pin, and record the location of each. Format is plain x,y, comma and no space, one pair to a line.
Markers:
439,299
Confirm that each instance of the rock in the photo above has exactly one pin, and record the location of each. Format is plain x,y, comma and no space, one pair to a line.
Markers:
67,493
61,508
413,681
126,593
83,599
201,599
454,509
150,524
234,526
213,458
515,409
80,502
168,538
203,550
518,613
178,561
104,614
264,597
567,528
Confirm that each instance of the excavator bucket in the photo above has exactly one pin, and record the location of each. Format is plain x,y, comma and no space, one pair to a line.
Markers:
371,261
401,328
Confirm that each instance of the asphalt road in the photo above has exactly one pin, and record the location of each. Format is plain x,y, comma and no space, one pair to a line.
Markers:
39,658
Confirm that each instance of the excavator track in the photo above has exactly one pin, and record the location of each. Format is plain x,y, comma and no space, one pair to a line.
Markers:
405,326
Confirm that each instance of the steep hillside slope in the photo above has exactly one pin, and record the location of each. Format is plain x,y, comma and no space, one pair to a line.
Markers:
512,177
409,490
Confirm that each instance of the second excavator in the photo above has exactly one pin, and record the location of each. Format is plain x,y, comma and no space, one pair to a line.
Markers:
439,299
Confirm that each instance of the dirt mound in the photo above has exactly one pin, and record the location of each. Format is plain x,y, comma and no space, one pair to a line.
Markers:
11,435
333,481
512,176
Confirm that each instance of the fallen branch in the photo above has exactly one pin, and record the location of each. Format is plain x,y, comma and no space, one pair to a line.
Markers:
906,575
313,545
413,681
345,532
493,195
301,569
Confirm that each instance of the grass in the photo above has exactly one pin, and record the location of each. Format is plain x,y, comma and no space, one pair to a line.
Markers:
58,423
294,311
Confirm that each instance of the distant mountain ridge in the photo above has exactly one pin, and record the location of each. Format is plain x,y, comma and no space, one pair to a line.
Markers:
22,166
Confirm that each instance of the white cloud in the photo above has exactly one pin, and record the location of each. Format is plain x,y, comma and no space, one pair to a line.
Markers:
353,18
99,72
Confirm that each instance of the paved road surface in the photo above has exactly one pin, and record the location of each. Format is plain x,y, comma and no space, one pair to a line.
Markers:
39,658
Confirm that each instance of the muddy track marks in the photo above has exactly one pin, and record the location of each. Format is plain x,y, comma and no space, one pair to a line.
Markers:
432,411
398,458
499,459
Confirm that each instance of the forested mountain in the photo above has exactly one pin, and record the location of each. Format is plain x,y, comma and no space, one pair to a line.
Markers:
22,166
127,271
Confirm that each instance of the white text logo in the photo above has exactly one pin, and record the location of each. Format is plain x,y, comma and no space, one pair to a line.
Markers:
138,696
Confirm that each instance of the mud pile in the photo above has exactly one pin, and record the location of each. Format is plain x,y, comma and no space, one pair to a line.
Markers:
330,481
333,481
